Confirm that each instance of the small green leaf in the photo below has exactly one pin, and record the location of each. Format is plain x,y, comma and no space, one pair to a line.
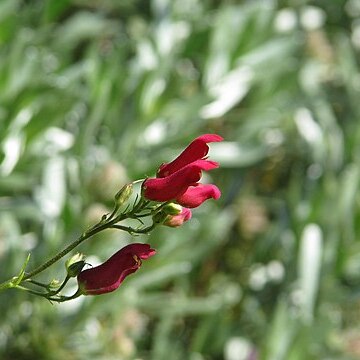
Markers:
18,279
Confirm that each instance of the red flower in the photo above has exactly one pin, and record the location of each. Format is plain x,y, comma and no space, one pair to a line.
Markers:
196,150
179,219
174,179
108,276
194,196
174,185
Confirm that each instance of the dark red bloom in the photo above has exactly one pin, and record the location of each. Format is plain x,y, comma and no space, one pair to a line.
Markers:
175,179
179,219
108,276
172,186
194,196
196,150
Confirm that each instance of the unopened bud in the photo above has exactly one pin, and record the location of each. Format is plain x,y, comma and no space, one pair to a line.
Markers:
172,209
75,264
179,219
124,194
166,212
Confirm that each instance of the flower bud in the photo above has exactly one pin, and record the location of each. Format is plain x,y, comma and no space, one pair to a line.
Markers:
165,212
75,264
123,194
172,209
179,219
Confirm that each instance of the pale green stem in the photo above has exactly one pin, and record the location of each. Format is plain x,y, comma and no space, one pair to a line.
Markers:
65,298
70,247
37,283
134,231
61,286
104,224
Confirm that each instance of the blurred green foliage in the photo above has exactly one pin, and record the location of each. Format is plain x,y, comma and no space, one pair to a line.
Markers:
93,93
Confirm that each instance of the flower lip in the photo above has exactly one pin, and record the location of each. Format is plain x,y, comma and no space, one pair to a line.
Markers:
196,150
195,195
109,275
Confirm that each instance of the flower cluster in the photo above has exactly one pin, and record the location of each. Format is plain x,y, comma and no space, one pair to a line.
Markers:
176,182
179,180
166,199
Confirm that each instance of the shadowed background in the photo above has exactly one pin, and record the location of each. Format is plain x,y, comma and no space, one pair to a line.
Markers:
96,93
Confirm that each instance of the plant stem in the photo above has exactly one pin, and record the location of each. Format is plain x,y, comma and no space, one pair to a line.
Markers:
49,296
45,286
74,244
30,291
6,285
135,231
105,223
65,298
61,286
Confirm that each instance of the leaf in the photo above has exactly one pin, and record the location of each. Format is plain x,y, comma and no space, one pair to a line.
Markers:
22,272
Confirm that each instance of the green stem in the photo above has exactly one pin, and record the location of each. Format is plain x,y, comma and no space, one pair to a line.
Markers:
139,206
116,208
105,223
134,231
70,247
49,296
65,298
6,285
45,286
158,208
61,286
30,291
143,215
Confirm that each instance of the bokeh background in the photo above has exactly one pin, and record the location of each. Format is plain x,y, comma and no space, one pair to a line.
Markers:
95,93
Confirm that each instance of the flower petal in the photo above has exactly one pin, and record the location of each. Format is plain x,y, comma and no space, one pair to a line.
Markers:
196,150
108,276
172,186
196,195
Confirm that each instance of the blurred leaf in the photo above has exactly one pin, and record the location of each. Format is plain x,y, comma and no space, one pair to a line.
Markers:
309,269
281,334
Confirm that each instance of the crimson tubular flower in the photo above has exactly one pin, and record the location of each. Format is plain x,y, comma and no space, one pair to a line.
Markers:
178,180
108,276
